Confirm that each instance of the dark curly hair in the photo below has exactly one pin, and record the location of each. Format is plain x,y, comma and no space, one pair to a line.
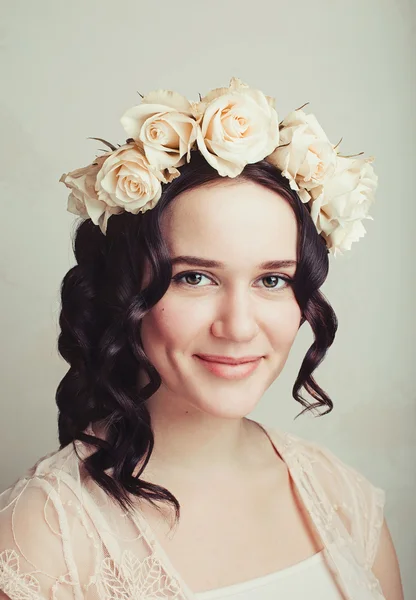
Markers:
103,303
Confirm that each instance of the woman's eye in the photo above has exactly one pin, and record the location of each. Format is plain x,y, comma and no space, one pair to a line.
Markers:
272,282
191,278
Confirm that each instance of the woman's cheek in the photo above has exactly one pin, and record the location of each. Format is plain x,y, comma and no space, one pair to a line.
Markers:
175,320
285,321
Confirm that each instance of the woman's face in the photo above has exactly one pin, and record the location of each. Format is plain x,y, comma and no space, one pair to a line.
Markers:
237,308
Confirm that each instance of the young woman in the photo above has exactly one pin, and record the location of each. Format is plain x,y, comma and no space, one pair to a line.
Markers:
195,268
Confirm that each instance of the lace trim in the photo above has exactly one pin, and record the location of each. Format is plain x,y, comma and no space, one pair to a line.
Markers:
131,578
135,578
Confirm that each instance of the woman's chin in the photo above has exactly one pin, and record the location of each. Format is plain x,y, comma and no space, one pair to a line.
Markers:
227,408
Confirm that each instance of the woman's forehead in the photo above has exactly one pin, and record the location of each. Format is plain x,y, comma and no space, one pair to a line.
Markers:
243,219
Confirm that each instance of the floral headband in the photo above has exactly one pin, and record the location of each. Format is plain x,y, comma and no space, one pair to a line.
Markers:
231,127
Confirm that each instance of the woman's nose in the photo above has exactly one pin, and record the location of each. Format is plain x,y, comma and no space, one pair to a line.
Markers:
235,317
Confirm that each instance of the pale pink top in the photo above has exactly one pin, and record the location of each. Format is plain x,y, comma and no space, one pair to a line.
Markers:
62,537
300,581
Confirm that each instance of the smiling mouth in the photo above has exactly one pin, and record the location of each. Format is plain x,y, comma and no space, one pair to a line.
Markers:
230,371
228,360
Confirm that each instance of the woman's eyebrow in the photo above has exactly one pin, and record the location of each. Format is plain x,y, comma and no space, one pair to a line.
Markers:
214,264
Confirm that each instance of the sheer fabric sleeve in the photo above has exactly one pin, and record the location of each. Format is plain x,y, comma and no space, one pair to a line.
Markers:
40,530
62,537
358,502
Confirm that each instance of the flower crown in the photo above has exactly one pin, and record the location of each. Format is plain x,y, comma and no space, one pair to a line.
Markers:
231,127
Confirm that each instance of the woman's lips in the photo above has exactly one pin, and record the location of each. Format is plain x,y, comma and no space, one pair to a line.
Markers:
228,371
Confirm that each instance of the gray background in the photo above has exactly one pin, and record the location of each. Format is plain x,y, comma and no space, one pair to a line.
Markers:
71,69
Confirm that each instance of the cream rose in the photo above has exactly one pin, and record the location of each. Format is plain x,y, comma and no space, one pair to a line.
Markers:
165,125
237,126
83,199
305,155
126,180
339,206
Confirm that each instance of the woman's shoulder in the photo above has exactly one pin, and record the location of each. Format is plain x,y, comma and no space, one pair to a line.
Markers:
316,460
47,472
44,464
327,462
37,526
344,489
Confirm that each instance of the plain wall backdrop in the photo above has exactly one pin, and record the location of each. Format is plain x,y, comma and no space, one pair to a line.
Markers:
69,70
